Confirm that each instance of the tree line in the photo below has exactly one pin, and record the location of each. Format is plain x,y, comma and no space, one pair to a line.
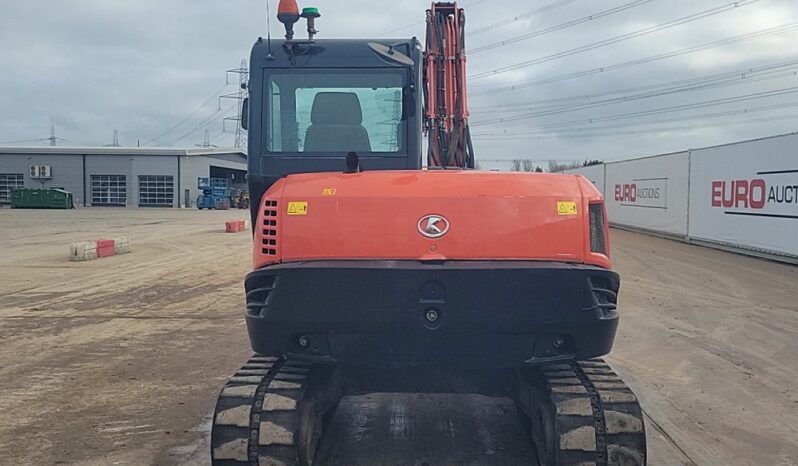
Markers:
526,165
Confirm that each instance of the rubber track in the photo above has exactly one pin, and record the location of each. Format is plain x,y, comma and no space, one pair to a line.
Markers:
256,420
597,418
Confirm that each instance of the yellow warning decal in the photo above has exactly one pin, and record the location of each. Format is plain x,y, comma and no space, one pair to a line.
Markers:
566,208
328,192
298,208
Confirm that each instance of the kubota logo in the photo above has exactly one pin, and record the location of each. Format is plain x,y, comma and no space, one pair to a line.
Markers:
433,226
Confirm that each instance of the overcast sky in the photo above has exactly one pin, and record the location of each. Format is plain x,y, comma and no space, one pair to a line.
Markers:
152,69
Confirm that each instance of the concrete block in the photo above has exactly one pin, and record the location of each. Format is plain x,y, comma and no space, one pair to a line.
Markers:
122,245
234,226
231,227
83,251
105,247
122,239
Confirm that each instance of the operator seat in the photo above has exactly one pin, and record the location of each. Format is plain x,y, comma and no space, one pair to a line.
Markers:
335,124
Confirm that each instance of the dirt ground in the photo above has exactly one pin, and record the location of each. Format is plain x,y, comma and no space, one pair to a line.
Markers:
119,360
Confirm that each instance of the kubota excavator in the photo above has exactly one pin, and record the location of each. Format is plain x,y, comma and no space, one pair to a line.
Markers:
373,273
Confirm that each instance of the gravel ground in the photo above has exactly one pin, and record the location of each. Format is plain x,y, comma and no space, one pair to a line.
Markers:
119,360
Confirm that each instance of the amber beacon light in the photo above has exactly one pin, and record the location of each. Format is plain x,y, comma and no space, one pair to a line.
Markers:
288,14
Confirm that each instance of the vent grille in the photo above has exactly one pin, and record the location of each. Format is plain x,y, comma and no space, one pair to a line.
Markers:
258,298
598,242
269,233
605,293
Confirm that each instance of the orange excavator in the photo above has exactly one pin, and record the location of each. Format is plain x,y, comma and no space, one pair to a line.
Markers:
376,273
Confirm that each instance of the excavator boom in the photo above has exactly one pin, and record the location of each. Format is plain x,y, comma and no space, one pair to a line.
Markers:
446,102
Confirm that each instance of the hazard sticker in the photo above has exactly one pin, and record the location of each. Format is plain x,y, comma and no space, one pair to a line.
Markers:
566,208
298,208
328,192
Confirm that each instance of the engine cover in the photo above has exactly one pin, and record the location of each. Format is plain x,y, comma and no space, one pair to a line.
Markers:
430,216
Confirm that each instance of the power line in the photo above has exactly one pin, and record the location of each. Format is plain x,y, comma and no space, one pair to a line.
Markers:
703,116
788,27
645,95
533,132
719,79
206,141
674,108
656,130
191,115
201,124
504,22
53,138
115,142
198,126
216,136
559,27
243,78
617,39
20,141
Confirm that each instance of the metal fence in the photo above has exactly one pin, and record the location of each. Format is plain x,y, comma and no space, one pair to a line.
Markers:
742,196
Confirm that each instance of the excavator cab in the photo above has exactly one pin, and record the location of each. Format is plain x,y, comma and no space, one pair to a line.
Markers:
307,112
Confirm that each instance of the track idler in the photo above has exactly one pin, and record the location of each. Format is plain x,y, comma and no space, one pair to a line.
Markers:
581,414
273,412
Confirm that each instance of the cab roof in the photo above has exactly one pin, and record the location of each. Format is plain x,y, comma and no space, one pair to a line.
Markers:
330,53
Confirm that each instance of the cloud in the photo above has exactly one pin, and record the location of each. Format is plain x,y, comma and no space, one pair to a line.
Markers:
141,67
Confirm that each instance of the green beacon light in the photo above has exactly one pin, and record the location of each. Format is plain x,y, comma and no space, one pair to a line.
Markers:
310,14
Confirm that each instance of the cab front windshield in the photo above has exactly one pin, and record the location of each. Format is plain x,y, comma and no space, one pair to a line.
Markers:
328,111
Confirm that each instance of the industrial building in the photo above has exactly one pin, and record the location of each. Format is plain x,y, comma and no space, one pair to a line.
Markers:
119,176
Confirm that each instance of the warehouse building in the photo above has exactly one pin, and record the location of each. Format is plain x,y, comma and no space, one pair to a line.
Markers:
119,176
